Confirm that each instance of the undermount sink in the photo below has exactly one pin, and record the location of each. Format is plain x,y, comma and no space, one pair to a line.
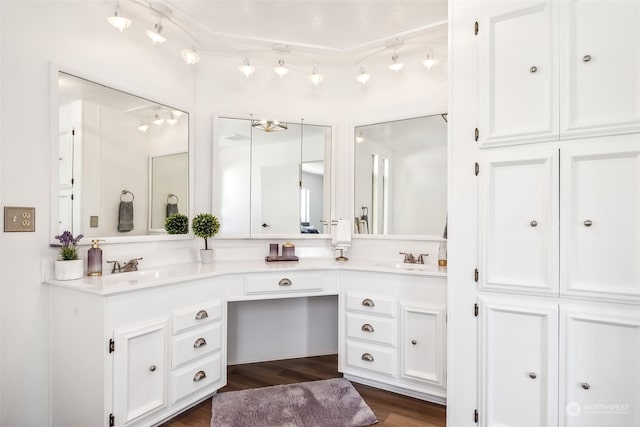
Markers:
404,266
138,275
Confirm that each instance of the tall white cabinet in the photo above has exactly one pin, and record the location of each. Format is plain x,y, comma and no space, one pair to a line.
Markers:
556,143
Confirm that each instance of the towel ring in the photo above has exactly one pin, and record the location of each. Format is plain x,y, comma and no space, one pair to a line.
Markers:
124,193
174,196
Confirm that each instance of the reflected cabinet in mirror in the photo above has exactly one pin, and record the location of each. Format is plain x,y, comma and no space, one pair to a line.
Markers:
401,177
273,181
123,161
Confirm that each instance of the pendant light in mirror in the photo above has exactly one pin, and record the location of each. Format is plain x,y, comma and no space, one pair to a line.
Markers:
246,68
119,22
190,56
155,36
281,70
363,77
315,77
395,65
430,61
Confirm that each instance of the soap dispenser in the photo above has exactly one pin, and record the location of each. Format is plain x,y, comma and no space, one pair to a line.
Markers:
94,267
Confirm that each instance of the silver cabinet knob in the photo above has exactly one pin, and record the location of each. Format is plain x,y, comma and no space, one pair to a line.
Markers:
199,376
588,223
199,343
367,327
284,282
533,69
533,375
368,302
152,368
414,342
367,357
202,314
585,386
586,58
533,223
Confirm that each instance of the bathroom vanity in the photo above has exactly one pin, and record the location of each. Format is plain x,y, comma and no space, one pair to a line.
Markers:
136,348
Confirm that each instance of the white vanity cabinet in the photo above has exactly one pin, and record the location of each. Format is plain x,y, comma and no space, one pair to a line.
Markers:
137,357
393,332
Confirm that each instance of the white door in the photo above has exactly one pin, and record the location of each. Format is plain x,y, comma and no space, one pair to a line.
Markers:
518,361
601,218
518,97
599,365
519,220
140,370
600,67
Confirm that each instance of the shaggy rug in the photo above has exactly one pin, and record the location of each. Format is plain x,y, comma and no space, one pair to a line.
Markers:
324,403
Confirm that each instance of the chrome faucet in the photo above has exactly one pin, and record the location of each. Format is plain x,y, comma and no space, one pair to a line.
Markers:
131,265
409,258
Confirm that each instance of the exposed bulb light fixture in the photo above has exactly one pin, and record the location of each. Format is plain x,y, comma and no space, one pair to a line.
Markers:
172,120
395,65
359,137
363,77
315,77
143,127
246,68
190,56
268,125
177,113
430,61
157,120
281,70
118,22
155,36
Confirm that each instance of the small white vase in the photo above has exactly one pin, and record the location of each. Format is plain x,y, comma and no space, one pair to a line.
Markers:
206,256
68,270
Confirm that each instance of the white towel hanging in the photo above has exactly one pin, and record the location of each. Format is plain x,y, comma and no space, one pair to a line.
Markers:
341,236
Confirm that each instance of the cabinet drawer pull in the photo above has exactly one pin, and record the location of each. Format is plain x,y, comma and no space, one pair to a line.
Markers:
588,223
586,58
199,343
533,69
585,386
152,368
202,314
367,357
533,223
368,302
199,376
367,327
414,342
533,375
284,282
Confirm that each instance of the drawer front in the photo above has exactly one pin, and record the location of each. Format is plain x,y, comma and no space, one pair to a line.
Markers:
189,346
375,304
371,328
196,315
272,283
371,358
196,376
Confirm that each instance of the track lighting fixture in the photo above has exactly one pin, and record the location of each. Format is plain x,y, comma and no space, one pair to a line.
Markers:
359,137
118,22
315,77
363,77
155,36
157,120
430,60
143,127
246,68
190,56
281,70
395,65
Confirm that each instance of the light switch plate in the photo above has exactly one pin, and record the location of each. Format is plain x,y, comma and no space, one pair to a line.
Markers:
93,221
19,218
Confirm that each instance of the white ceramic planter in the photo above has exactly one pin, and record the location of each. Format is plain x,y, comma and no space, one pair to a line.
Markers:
68,270
206,256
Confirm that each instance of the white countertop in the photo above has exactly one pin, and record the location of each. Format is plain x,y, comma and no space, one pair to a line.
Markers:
147,277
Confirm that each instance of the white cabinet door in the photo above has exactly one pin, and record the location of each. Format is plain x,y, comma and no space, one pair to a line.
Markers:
519,220
140,370
423,344
518,361
600,67
518,97
599,365
601,218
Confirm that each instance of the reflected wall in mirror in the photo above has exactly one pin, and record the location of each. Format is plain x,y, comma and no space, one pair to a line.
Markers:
401,177
272,182
115,150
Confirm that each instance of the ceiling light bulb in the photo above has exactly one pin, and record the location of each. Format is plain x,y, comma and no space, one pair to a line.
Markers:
172,120
190,56
363,78
177,113
157,120
246,68
359,138
430,61
315,77
119,22
281,70
395,65
143,127
155,36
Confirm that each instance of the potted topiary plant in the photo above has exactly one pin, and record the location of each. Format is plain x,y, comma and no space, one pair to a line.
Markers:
205,225
177,224
69,265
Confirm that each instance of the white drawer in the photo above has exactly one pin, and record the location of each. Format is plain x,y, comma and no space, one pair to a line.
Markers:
368,303
191,345
371,357
371,328
196,315
285,282
195,377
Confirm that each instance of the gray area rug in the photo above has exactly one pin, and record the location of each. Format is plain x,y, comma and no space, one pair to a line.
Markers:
324,403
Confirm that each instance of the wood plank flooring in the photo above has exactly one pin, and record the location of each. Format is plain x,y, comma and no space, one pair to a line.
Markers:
392,410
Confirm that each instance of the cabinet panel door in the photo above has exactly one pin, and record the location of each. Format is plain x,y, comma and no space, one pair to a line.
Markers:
600,78
601,218
140,370
518,362
599,365
518,83
423,344
519,221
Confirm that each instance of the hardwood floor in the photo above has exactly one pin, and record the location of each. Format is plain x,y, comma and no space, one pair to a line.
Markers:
392,410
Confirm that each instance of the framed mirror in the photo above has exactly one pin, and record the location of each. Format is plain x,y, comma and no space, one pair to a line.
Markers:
400,177
122,160
272,182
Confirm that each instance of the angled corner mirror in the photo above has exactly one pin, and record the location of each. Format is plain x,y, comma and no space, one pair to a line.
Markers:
123,161
272,182
400,177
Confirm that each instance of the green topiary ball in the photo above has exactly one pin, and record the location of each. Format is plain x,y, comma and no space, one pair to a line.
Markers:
177,224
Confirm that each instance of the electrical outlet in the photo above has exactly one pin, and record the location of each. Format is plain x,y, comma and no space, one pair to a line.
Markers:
93,221
19,219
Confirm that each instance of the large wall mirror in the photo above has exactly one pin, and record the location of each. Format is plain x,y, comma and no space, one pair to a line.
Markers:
401,177
123,161
272,178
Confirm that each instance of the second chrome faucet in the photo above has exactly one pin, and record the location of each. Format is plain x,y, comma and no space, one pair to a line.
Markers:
131,265
409,258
